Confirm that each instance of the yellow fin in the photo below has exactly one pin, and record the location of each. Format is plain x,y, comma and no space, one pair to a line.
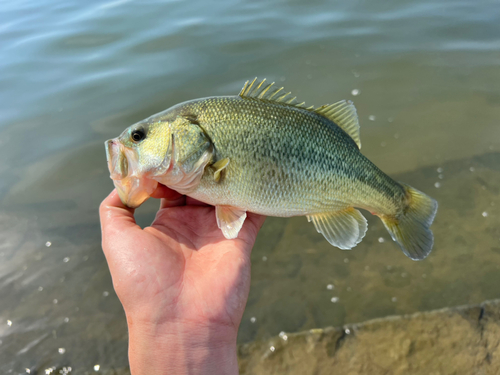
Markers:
230,220
219,166
268,92
343,114
343,229
410,229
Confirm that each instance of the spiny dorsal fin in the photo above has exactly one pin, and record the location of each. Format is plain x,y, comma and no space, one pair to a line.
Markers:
342,113
269,92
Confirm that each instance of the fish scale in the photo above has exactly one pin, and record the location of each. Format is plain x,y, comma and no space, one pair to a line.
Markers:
261,152
314,162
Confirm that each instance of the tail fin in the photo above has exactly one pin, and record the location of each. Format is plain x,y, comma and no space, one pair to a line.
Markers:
410,229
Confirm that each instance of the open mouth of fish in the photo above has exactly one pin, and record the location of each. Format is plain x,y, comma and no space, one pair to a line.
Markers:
132,189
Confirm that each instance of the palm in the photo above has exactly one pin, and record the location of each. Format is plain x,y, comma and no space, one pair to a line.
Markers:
182,268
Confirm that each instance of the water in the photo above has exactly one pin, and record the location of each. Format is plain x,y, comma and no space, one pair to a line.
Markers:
423,75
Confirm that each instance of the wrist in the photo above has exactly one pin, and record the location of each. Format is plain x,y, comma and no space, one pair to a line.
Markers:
181,348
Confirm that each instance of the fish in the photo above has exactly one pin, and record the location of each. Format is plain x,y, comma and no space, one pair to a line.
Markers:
262,151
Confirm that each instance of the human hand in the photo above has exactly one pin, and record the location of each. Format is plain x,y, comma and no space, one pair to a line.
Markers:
182,284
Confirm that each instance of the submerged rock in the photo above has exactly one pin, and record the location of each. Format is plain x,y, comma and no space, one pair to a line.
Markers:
461,340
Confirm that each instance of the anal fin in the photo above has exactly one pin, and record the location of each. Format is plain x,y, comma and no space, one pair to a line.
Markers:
230,220
343,229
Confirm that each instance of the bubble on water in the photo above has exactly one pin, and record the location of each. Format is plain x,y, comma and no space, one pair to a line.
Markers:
396,135
437,185
383,144
485,214
97,367
283,336
66,260
356,74
404,274
349,289
335,299
40,288
372,118
264,258
381,239
85,258
330,286
66,320
50,370
28,371
282,79
440,176
390,119
55,301
272,348
346,260
61,350
48,244
105,293
367,268
472,169
439,170
347,331
9,323
355,92
394,299
253,319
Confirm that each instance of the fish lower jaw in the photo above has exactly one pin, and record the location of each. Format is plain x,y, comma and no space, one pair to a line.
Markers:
134,191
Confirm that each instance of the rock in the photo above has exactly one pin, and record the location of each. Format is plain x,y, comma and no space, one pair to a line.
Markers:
462,340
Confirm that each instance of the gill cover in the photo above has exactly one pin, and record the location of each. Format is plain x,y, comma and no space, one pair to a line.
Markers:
189,151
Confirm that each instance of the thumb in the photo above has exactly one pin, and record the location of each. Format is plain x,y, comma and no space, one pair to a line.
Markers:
116,219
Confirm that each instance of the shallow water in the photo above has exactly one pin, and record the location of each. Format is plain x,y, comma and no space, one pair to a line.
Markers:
73,74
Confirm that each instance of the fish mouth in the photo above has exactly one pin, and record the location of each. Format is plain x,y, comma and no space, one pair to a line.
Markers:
117,160
132,189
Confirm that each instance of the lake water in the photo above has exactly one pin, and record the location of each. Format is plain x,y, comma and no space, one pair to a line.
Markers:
423,75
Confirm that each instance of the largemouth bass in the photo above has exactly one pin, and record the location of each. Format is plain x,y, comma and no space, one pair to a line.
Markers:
263,152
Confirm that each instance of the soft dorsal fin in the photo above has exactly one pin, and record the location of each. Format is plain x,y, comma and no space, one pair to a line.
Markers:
342,113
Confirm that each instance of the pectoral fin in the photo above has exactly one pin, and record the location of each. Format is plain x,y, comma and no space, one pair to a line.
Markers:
343,229
219,166
230,220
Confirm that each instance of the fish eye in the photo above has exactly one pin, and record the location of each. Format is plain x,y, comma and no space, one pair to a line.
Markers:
138,135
